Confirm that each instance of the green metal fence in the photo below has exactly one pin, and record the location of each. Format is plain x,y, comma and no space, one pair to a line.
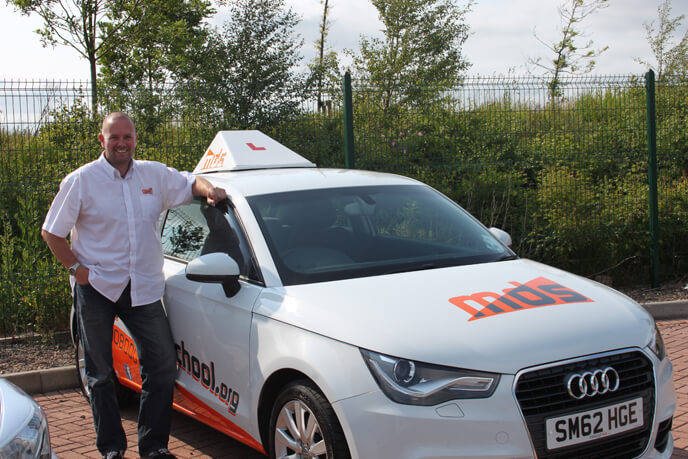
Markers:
565,174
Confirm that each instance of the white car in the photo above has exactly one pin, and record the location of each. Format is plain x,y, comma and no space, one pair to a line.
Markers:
325,313
23,426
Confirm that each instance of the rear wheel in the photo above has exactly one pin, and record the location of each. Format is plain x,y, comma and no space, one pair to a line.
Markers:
303,425
81,370
124,395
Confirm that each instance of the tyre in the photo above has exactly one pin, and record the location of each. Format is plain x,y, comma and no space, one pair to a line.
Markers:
81,370
304,425
124,395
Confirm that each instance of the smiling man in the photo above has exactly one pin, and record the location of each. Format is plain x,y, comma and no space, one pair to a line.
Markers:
110,208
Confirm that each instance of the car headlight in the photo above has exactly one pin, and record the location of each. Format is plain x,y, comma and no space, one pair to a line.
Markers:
657,344
32,442
417,383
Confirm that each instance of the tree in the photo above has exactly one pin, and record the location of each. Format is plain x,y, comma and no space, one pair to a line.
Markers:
421,46
156,45
325,66
671,58
79,25
570,56
250,67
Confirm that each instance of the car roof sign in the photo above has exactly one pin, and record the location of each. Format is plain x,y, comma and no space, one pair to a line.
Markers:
244,150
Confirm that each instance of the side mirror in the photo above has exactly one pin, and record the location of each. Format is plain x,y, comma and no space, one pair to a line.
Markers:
216,268
502,236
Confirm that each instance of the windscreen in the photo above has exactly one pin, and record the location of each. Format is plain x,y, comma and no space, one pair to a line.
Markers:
332,234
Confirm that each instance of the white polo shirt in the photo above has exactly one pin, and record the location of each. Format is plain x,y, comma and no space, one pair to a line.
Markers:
113,223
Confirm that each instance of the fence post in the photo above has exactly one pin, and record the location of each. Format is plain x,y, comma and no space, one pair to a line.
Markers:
652,177
348,122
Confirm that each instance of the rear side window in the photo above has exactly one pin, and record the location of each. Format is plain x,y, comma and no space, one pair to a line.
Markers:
197,229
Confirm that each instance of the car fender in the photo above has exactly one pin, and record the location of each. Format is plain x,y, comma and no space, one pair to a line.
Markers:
336,368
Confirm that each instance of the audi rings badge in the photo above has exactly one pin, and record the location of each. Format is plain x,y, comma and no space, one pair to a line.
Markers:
591,383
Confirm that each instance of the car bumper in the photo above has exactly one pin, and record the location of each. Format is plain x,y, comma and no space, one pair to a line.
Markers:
480,428
378,427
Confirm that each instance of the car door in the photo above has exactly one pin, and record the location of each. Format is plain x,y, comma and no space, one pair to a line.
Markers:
210,330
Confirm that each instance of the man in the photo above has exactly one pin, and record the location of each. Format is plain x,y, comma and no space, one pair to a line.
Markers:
110,207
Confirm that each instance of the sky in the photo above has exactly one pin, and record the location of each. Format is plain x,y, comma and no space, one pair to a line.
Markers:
501,36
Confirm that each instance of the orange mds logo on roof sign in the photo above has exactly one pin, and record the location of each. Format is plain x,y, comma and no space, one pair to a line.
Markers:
213,161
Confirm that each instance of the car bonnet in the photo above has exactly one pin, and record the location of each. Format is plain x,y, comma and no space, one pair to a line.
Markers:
500,317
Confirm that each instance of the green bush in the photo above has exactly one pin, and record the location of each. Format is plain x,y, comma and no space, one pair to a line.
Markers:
567,178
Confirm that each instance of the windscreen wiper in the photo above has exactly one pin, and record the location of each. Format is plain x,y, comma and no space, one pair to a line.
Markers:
414,268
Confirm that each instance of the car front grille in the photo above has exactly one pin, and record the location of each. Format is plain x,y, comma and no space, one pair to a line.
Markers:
542,394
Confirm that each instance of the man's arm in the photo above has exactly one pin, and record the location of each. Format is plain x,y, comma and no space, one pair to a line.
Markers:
60,248
202,187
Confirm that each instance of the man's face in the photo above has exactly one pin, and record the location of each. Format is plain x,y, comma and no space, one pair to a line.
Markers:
118,140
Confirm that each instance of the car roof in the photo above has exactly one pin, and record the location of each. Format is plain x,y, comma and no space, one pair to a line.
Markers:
267,181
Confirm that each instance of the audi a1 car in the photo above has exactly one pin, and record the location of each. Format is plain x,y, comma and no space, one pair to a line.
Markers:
326,313
24,432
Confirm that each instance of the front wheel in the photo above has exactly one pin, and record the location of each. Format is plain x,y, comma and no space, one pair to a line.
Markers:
303,425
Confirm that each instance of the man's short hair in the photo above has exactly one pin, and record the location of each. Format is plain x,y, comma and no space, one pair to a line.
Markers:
115,116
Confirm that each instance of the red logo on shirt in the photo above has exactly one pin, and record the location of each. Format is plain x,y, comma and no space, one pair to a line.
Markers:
147,191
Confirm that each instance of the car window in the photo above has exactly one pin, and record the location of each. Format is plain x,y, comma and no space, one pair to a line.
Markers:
330,234
197,229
